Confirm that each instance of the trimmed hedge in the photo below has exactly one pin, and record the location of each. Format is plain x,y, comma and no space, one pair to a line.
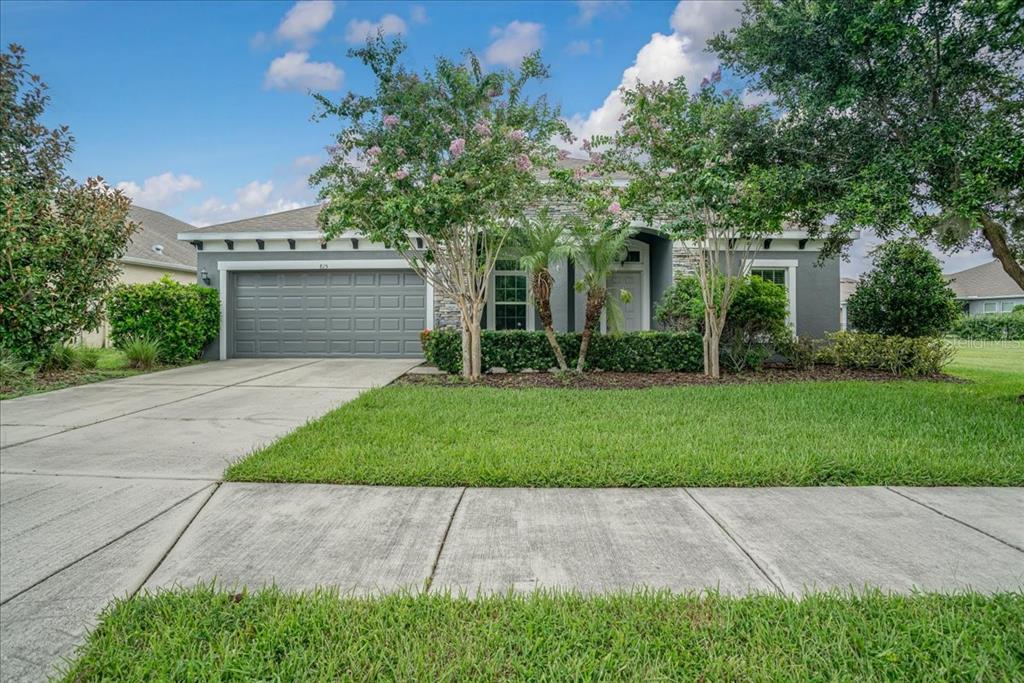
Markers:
181,318
907,356
991,327
517,350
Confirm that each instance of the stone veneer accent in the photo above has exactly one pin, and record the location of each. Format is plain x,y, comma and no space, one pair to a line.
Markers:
446,312
682,261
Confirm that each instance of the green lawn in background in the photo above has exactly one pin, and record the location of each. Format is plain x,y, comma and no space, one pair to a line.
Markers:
204,634
901,432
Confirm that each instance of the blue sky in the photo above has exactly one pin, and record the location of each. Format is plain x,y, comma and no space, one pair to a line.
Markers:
201,109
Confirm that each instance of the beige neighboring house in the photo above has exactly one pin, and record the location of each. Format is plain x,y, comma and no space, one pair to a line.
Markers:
985,289
847,286
154,251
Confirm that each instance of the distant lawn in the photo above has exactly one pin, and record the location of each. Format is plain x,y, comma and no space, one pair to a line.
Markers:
796,434
203,634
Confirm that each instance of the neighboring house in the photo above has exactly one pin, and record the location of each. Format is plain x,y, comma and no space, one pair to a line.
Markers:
847,286
986,289
285,291
154,251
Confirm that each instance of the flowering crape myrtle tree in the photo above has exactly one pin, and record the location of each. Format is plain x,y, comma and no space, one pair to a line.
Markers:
707,171
447,156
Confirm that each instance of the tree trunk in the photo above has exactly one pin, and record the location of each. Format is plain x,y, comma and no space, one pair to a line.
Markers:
996,236
595,302
469,314
541,287
712,337
708,325
476,357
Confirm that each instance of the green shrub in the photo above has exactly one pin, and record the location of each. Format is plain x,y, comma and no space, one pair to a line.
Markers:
907,356
517,350
181,318
905,294
12,368
992,327
755,325
140,352
60,357
86,357
800,352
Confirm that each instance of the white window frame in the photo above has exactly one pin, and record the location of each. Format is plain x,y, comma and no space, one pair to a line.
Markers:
986,304
790,265
530,315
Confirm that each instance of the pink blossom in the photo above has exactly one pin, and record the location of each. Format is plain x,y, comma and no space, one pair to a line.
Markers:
516,135
401,174
596,158
435,178
606,193
457,147
373,151
579,174
390,121
523,163
483,129
585,144
615,208
563,154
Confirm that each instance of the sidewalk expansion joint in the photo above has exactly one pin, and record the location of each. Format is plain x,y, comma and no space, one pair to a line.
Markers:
174,541
736,542
444,540
105,545
951,517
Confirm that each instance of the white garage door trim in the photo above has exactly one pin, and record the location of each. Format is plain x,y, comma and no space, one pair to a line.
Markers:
224,267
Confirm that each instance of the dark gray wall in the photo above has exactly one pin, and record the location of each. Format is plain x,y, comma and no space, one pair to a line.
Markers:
817,292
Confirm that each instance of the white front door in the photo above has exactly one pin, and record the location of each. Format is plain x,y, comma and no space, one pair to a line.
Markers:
632,282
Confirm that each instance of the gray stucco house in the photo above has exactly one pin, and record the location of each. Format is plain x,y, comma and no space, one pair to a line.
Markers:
285,291
986,289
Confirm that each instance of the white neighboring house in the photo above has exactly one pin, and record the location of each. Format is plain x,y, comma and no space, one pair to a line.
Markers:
986,289
154,251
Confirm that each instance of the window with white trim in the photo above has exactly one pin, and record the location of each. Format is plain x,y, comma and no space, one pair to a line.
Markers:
510,296
776,275
991,307
780,276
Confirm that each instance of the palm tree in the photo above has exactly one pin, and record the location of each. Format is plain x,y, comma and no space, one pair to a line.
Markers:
601,249
542,241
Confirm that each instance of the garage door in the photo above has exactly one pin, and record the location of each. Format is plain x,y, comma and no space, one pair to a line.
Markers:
326,313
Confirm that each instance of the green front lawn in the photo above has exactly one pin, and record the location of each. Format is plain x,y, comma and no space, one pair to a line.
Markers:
204,634
796,434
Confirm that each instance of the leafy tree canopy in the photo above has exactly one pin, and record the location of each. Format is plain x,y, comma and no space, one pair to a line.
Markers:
59,240
911,112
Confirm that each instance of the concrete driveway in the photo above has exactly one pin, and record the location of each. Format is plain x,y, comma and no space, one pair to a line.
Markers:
98,482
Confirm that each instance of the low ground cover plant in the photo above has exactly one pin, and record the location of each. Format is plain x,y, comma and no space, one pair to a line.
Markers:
906,356
180,318
79,365
210,634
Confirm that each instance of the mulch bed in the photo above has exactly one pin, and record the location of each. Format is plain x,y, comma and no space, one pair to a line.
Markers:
644,380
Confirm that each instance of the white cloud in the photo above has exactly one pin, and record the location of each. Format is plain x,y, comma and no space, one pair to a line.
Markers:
304,20
665,58
359,30
578,48
513,42
253,199
753,98
307,162
418,14
294,71
589,9
157,190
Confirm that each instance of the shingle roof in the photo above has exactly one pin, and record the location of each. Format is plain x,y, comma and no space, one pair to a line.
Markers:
283,221
986,280
304,219
157,239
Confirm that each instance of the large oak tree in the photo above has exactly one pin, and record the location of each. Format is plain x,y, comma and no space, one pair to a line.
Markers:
912,111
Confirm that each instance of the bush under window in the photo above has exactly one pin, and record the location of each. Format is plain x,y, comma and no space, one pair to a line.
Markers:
991,327
519,350
907,356
181,319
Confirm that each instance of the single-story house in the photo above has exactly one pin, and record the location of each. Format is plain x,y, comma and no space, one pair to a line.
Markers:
986,289
153,252
285,291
